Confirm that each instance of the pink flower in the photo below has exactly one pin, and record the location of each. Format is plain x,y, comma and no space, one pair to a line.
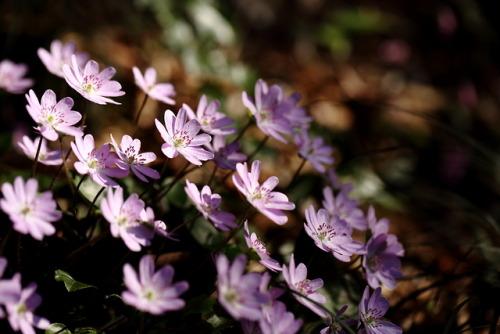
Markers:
147,217
53,117
151,291
237,292
93,85
157,91
371,311
130,158
46,157
21,305
31,213
254,243
314,151
225,156
208,205
296,279
345,208
181,137
125,220
211,120
59,55
277,320
11,77
268,202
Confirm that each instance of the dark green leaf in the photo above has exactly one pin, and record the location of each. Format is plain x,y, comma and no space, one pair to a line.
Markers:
69,282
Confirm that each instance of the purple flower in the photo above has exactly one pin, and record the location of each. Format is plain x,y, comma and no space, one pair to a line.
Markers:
11,77
225,156
125,220
31,213
296,279
181,137
382,227
59,55
277,320
147,217
157,91
20,305
371,310
96,163
254,243
268,202
382,265
151,291
46,157
344,207
93,85
335,326
211,120
297,116
130,158
208,205
314,151
53,117
270,119
331,234
239,293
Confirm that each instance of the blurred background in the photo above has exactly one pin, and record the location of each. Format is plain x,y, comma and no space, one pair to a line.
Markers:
408,92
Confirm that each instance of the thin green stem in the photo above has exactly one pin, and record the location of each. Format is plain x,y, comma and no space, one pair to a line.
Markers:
35,162
94,200
302,164
247,126
185,223
63,165
139,113
75,194
212,176
261,145
179,176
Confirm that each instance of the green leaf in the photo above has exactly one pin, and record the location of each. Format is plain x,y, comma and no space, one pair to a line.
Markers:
57,328
86,331
70,283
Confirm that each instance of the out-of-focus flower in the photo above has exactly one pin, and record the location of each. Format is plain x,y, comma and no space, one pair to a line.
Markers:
53,118
11,77
254,243
157,91
277,320
30,212
344,207
296,279
314,150
96,163
125,220
20,309
93,85
270,119
381,265
147,217
268,202
46,157
447,21
181,137
371,310
225,156
130,158
151,291
394,51
239,293
59,55
208,205
331,234
297,116
211,120
381,226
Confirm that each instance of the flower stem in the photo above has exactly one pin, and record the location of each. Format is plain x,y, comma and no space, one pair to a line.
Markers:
75,194
261,145
212,176
247,126
139,113
179,176
94,200
35,162
185,223
152,183
303,162
63,165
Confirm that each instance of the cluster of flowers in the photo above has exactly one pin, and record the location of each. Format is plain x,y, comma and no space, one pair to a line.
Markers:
245,296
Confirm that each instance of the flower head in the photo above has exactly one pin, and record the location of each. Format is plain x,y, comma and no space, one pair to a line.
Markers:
11,77
225,156
59,55
211,120
157,91
151,291
314,151
277,320
147,217
30,212
96,163
46,157
331,234
296,279
93,85
238,292
130,158
344,207
208,205
125,220
382,264
268,202
181,137
253,242
53,117
371,310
